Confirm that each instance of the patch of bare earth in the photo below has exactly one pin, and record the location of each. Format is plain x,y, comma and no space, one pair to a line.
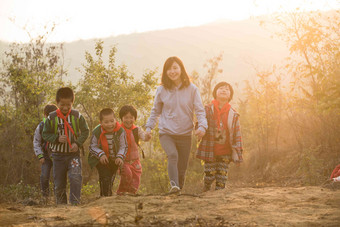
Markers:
269,206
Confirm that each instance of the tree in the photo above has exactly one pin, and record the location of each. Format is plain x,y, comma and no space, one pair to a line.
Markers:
30,75
314,42
111,86
262,112
207,82
314,39
298,126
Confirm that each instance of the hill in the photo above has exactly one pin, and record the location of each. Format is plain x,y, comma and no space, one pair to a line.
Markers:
242,42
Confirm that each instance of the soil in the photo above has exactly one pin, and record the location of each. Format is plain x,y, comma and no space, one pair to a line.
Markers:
249,206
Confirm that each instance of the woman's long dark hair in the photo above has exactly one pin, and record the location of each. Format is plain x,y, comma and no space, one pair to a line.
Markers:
166,82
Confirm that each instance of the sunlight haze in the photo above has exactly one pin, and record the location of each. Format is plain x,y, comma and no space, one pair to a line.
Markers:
98,19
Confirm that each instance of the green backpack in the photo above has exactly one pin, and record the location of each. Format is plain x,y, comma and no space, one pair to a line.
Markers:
74,120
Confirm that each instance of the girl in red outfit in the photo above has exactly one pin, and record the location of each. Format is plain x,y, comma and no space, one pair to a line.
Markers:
222,142
132,168
336,173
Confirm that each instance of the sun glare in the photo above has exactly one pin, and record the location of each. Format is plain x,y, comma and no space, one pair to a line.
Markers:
95,19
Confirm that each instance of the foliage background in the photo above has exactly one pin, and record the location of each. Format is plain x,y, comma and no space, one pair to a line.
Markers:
289,113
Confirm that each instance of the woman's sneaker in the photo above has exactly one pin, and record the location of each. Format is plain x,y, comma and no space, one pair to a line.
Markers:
174,188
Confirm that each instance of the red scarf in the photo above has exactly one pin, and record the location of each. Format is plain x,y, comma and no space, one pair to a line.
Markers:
103,140
128,136
66,124
219,112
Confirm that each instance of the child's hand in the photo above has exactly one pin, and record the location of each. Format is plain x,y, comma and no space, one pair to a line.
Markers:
42,160
199,134
74,147
119,161
103,160
62,139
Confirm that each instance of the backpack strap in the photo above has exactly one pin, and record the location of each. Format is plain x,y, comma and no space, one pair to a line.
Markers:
75,121
75,115
54,121
136,136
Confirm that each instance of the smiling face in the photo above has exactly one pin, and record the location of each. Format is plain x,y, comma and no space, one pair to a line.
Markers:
65,104
174,73
223,93
128,120
108,122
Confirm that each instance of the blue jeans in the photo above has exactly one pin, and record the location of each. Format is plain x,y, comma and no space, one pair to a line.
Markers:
45,176
177,149
67,165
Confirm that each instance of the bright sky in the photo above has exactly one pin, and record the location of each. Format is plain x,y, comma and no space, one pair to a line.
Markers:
85,19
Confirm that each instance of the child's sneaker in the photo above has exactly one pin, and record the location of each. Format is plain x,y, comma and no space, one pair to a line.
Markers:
174,188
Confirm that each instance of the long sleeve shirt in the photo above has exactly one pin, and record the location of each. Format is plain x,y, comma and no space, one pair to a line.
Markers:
175,110
118,146
38,141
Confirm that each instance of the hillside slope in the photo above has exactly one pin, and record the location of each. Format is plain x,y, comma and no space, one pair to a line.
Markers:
244,43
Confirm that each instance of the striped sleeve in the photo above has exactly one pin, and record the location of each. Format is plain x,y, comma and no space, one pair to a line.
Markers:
94,147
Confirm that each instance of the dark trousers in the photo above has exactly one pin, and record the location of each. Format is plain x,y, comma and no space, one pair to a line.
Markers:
45,176
67,165
107,174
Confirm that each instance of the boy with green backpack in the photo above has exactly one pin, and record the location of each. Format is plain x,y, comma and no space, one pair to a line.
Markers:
66,130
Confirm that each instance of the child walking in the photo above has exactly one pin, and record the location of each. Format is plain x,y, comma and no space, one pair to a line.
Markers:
132,168
41,150
108,148
222,142
66,130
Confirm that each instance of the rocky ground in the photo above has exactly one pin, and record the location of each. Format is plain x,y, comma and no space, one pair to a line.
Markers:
266,206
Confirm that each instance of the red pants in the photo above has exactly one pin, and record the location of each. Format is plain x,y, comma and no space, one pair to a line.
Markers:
130,177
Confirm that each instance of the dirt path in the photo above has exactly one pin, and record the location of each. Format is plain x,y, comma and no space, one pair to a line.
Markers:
270,206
